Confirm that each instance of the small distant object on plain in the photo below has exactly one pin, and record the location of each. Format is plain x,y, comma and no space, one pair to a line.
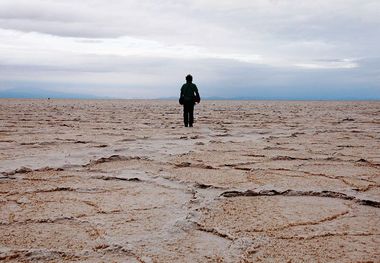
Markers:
188,98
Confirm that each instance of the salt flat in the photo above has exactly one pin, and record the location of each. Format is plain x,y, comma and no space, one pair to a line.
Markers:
253,181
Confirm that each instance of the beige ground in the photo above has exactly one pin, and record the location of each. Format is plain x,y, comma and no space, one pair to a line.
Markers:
123,181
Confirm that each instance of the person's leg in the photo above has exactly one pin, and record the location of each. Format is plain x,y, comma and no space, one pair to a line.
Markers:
191,113
186,114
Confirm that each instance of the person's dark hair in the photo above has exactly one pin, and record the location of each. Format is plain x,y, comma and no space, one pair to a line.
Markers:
189,78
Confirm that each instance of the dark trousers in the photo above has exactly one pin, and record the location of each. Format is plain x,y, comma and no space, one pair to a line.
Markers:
188,113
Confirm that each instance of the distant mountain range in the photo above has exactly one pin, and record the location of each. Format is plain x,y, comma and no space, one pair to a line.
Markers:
42,94
35,93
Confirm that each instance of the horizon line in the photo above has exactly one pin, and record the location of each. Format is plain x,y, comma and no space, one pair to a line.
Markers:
206,98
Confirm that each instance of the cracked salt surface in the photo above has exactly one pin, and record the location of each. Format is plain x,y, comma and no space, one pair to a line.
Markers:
96,181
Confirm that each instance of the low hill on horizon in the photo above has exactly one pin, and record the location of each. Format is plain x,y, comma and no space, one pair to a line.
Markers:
36,93
32,93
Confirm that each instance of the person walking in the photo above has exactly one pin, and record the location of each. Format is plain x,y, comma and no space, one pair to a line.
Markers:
189,96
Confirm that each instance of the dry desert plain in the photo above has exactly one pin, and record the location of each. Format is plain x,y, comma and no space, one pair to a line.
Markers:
253,181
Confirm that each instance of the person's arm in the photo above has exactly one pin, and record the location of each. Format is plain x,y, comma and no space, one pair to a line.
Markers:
181,97
196,90
198,98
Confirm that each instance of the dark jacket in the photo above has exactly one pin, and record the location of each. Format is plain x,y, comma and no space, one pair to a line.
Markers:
189,93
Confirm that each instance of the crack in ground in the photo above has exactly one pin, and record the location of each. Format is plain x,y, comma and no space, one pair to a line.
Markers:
105,249
38,254
52,255
117,178
193,165
26,170
328,235
114,157
62,189
77,218
307,223
207,186
340,178
214,231
330,194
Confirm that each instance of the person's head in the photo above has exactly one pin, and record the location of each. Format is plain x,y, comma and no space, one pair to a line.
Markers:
189,78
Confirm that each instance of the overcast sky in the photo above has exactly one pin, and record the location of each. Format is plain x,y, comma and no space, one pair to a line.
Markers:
310,49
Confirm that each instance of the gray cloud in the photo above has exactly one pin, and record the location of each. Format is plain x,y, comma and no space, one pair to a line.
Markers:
246,47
